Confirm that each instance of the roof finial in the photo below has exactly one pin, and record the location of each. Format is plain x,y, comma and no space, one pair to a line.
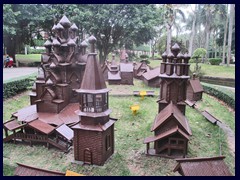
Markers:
92,40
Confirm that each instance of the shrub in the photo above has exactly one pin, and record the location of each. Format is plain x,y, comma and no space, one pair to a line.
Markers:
192,61
220,95
14,87
144,56
215,61
29,64
36,51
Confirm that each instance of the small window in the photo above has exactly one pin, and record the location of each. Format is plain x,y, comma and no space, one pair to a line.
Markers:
180,142
173,142
108,142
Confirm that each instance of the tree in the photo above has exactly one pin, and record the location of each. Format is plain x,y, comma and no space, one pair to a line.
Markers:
199,52
231,18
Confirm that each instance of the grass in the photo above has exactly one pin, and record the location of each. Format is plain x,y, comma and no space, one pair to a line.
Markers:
218,109
129,157
207,69
216,71
28,58
29,76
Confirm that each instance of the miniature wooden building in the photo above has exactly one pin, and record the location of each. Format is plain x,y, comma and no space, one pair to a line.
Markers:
171,128
194,89
139,69
151,78
94,134
114,75
210,166
126,70
53,97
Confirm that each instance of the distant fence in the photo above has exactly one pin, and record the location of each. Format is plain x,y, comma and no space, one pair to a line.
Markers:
218,81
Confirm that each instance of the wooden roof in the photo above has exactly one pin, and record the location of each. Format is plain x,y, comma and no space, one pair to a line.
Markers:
24,170
137,66
114,76
65,131
98,127
151,74
66,116
93,77
196,85
41,126
204,166
126,67
13,124
171,110
166,134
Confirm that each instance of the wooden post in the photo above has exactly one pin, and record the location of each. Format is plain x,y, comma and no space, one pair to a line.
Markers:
169,151
14,139
147,148
6,132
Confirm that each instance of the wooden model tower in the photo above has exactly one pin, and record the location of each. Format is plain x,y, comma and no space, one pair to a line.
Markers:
94,134
171,128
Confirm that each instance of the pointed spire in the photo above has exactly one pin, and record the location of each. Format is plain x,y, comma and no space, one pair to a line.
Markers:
49,82
52,65
65,22
93,77
175,49
54,28
84,44
92,40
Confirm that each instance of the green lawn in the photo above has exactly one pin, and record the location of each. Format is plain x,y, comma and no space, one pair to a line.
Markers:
207,69
129,157
28,58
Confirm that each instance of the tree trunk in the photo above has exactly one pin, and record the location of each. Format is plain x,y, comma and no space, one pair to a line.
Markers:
11,47
169,34
190,49
207,41
224,40
230,32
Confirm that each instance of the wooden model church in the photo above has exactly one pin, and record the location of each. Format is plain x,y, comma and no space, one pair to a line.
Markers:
171,128
94,134
69,101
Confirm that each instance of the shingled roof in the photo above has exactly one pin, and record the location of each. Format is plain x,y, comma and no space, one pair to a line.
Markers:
126,67
205,166
93,77
196,85
151,74
171,110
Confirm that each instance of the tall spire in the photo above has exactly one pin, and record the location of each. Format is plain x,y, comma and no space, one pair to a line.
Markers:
93,78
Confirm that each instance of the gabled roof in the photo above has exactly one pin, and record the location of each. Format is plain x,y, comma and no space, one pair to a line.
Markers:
126,67
171,110
196,85
206,166
114,76
50,92
24,170
41,126
151,74
65,131
165,134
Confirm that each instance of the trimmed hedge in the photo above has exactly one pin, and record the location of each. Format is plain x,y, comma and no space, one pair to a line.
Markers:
220,95
144,56
215,61
14,87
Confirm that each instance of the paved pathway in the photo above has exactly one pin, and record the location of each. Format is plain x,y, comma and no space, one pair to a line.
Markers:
9,73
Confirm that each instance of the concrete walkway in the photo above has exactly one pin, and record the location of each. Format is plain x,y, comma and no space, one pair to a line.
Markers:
10,73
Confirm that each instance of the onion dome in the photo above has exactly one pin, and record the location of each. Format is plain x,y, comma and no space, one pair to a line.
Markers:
164,55
56,42
180,56
71,43
84,44
175,49
59,27
49,82
52,65
74,27
47,43
92,39
65,22
170,55
187,56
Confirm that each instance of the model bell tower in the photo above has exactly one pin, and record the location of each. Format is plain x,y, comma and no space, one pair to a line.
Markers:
94,135
171,128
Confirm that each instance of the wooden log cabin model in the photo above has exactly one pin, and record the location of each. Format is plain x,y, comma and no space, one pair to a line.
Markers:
69,93
171,128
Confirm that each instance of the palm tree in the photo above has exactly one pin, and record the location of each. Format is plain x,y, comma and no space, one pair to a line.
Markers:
225,37
231,18
170,16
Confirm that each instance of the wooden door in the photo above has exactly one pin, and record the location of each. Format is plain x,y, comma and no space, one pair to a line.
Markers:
87,156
